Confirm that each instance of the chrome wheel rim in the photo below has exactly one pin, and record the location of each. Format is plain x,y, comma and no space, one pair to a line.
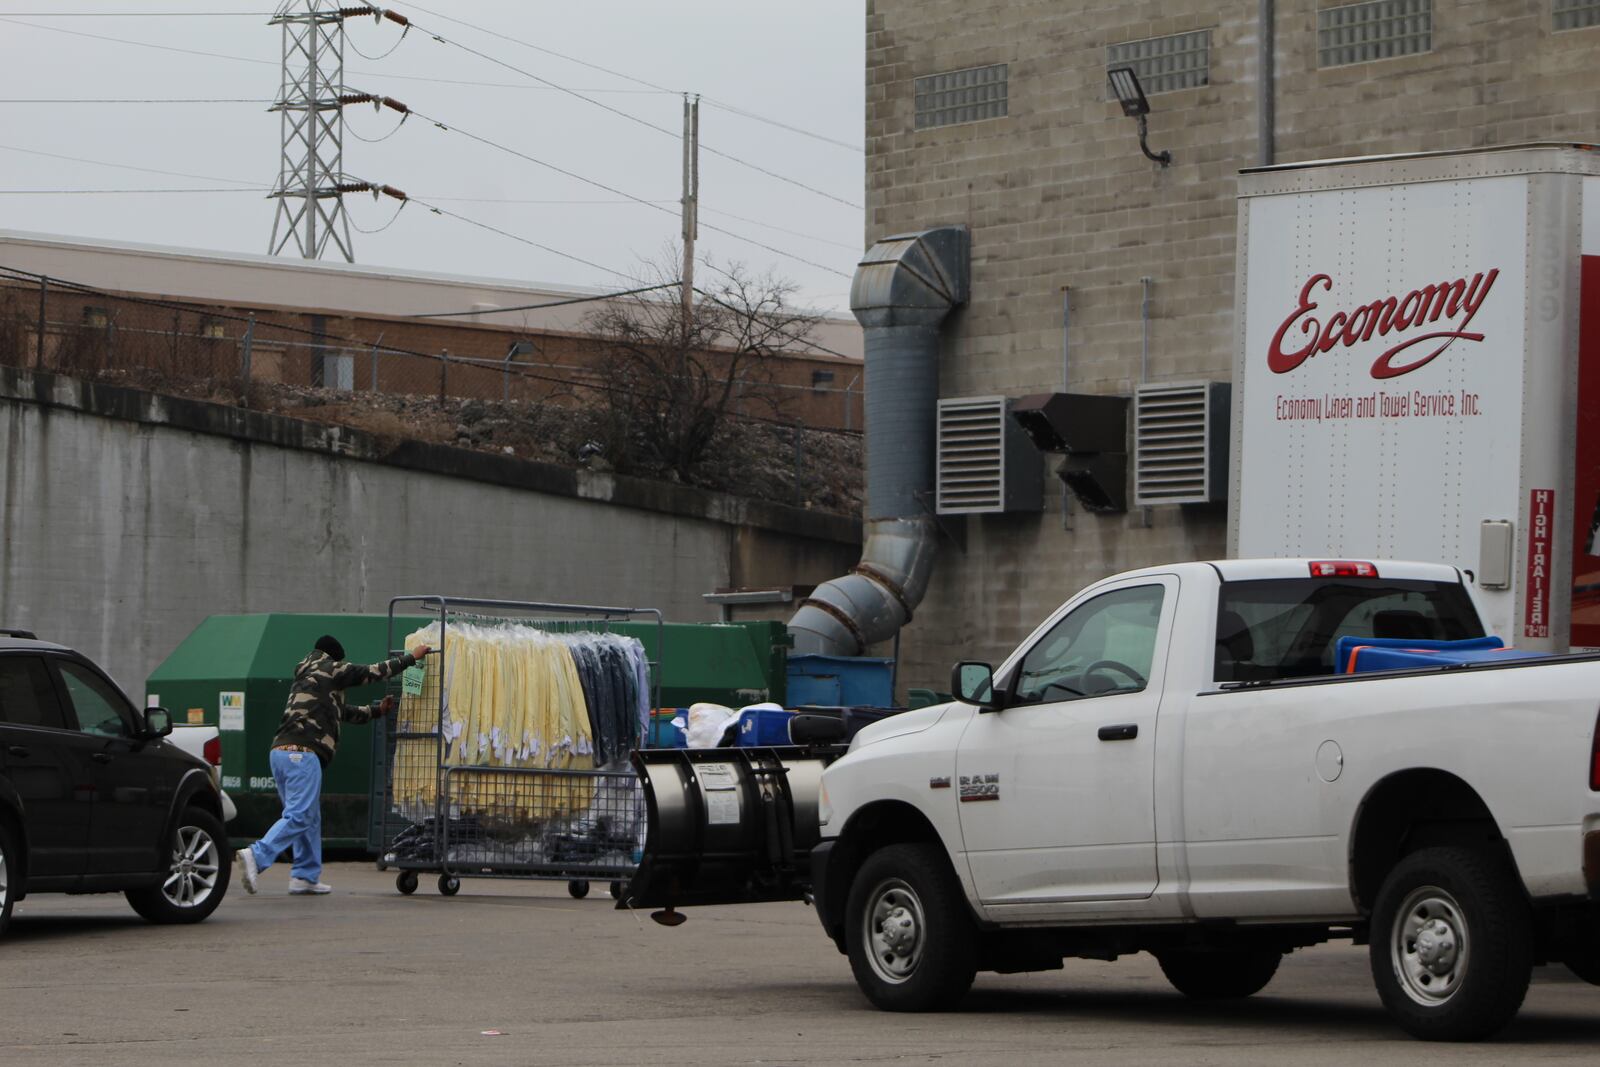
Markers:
1429,946
5,882
896,931
196,864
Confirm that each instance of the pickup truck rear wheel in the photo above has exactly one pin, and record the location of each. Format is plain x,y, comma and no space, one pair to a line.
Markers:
1222,975
910,938
1451,937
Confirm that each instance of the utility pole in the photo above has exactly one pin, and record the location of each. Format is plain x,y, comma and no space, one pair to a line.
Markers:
691,201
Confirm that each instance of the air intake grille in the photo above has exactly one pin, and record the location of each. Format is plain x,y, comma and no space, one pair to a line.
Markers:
1175,443
972,455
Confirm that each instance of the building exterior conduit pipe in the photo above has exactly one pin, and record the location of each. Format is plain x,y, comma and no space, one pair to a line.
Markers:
903,289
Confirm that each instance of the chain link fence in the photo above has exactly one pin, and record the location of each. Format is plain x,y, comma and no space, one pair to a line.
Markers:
530,397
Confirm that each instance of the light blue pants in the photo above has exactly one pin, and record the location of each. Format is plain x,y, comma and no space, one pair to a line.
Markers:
298,776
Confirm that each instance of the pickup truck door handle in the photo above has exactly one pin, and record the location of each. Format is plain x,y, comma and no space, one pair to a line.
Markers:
1122,732
18,751
102,757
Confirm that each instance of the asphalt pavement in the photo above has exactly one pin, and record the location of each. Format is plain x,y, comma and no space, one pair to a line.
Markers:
514,972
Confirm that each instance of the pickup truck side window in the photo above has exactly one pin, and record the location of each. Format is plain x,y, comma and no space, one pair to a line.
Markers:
27,697
100,709
1103,646
1272,629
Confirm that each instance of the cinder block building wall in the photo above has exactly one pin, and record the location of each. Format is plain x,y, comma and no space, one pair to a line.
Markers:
1067,216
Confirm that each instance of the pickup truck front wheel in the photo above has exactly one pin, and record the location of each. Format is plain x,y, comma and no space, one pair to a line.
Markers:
1219,975
911,942
1450,950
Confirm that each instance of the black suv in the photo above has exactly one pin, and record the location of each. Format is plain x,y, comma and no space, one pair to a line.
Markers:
93,800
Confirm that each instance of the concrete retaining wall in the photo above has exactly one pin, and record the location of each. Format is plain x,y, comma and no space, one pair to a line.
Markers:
129,517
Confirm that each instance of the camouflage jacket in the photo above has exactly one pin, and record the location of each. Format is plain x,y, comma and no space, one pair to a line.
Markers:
316,706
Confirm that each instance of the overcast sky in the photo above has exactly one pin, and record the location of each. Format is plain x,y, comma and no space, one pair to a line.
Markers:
796,64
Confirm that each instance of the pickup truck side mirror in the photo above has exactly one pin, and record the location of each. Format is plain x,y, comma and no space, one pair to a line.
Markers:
157,722
973,683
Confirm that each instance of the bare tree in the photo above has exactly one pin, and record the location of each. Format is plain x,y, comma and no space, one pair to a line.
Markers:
671,381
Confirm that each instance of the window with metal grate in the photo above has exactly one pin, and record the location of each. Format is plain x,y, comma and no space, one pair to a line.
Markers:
958,96
1379,29
1576,14
1166,64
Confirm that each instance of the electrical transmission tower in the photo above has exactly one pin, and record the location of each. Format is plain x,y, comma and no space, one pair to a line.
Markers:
310,104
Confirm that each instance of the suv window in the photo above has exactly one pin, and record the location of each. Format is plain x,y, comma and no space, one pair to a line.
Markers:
101,709
27,697
1114,630
1287,628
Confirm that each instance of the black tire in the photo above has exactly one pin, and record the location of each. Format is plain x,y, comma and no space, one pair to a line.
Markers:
449,885
910,937
10,875
578,889
1222,975
1451,944
406,882
197,874
616,890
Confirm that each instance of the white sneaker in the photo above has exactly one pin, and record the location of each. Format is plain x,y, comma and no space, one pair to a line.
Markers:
245,861
299,887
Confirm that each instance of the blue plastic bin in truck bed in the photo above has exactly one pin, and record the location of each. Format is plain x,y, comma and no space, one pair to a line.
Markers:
1361,655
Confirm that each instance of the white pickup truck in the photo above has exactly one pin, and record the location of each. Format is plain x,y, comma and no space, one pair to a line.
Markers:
1172,763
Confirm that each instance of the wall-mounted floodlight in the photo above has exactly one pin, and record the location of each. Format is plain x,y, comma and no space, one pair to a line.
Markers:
1125,84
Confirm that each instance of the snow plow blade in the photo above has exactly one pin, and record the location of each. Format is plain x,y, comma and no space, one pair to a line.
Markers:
726,826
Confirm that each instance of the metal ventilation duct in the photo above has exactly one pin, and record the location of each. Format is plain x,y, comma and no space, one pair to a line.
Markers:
903,289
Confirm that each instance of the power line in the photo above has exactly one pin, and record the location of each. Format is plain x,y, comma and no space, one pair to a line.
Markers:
548,304
123,192
137,14
127,100
437,210
127,166
780,229
636,80
613,189
636,119
275,63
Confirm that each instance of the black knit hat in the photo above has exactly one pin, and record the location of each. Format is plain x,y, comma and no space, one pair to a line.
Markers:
331,646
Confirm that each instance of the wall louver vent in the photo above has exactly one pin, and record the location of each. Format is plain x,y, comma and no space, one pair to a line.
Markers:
986,466
1180,443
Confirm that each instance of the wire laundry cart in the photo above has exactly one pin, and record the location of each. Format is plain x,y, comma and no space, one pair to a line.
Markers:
457,793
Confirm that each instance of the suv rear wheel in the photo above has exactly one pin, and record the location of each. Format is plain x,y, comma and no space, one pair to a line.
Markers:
197,877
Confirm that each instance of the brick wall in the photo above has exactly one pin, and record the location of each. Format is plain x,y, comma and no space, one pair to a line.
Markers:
1058,195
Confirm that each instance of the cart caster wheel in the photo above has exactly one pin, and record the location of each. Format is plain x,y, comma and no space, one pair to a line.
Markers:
578,889
616,890
406,882
449,885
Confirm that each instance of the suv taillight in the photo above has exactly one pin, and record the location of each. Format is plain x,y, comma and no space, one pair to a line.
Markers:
213,751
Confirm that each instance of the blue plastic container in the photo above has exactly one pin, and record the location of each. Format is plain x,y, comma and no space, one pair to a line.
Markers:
763,726
1361,655
662,733
840,681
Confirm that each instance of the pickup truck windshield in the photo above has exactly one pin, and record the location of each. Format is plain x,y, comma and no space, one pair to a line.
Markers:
1287,628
